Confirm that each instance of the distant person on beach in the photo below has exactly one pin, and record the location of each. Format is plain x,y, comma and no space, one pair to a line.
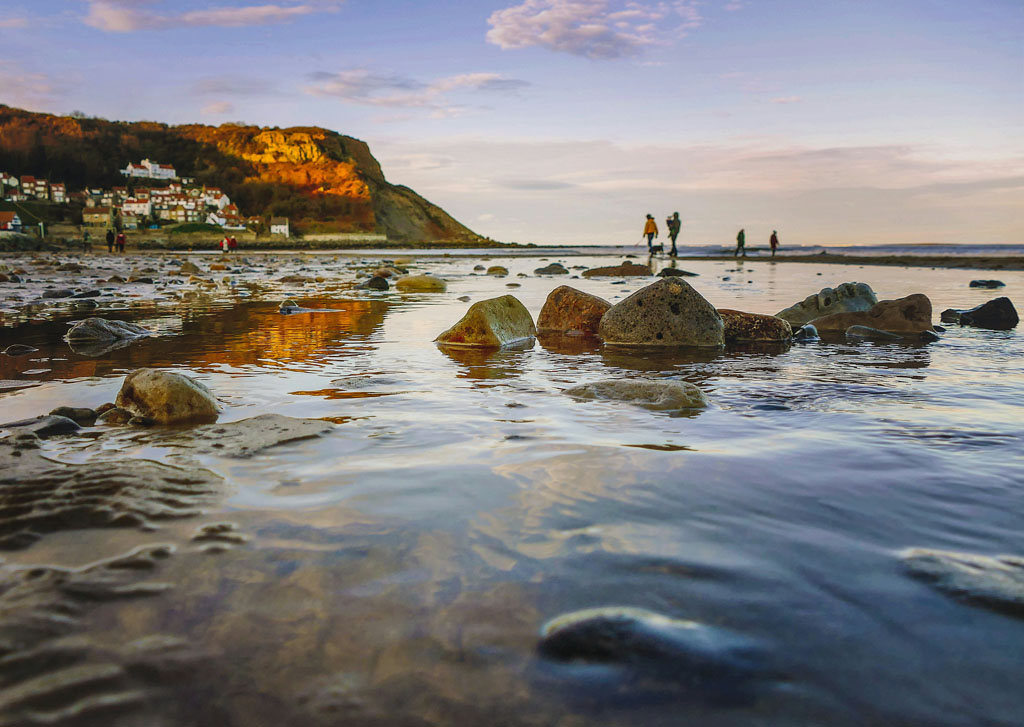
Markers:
121,240
110,241
774,242
232,243
225,245
86,242
650,232
673,224
741,243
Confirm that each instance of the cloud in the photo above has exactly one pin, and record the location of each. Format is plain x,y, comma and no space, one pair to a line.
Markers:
28,89
787,99
597,29
126,16
531,185
218,108
232,86
368,88
13,23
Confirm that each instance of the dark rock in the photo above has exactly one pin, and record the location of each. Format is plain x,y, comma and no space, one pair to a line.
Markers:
375,283
43,427
950,315
103,330
997,314
995,582
80,415
748,327
987,284
19,349
552,269
806,332
939,329
930,336
114,416
88,294
909,315
616,271
247,437
871,334
666,313
58,293
676,273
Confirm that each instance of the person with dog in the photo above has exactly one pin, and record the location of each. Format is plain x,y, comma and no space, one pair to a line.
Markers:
650,232
674,224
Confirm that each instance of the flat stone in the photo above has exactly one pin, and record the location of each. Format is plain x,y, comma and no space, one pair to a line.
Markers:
80,415
43,427
167,397
871,334
844,298
997,314
627,269
743,327
666,313
911,315
676,273
987,284
421,284
568,309
995,582
247,437
492,323
103,330
663,395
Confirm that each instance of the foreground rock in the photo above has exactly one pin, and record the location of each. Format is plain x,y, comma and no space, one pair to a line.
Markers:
911,315
997,314
492,323
627,269
657,395
421,284
82,416
993,582
714,664
845,298
167,397
567,309
666,313
249,436
101,330
743,327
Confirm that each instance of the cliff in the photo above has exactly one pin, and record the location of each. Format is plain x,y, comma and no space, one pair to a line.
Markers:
322,180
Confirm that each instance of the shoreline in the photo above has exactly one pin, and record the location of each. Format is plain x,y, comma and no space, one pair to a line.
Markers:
968,262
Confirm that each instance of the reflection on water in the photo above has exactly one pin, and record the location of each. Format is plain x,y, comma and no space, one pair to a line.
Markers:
397,570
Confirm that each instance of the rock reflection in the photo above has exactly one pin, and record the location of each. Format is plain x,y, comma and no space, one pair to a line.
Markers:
657,359
488,363
565,345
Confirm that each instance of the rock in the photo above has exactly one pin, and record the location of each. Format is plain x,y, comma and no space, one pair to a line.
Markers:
805,333
995,582
167,397
421,284
744,327
4,278
910,315
187,268
659,395
871,334
58,293
218,267
374,283
494,322
845,298
70,268
102,330
79,415
87,294
19,349
568,309
676,273
997,314
146,280
295,279
12,384
950,315
497,270
928,336
552,269
42,427
987,284
463,298
114,415
249,436
617,271
479,267
289,306
666,313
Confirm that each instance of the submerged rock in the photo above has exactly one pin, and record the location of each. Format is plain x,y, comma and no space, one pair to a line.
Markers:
79,415
746,327
100,330
910,315
844,298
987,284
676,273
552,269
871,334
995,582
568,309
666,313
664,395
43,427
997,314
115,416
421,284
627,269
249,436
167,397
805,333
58,293
19,349
493,323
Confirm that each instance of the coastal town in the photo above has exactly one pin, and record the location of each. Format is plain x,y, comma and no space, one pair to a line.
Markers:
139,204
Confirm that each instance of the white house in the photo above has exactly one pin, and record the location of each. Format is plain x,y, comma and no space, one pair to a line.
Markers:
135,206
279,226
58,193
149,169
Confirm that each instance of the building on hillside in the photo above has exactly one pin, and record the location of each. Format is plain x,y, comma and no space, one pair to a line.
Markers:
10,222
98,217
59,193
130,221
279,226
7,180
136,206
37,188
148,169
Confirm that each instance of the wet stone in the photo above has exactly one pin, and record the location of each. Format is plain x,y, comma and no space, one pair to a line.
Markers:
492,323
43,427
997,314
656,395
58,293
552,269
995,582
676,273
497,270
743,327
374,283
666,313
987,284
627,269
569,309
910,315
115,416
871,334
249,436
80,415
167,397
101,330
844,298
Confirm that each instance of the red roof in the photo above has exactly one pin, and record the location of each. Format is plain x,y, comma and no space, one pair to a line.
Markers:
6,218
96,211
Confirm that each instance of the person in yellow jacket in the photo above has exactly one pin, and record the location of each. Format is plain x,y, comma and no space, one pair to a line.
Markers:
650,231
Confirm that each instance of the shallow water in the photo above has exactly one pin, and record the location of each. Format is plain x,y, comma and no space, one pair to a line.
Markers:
398,570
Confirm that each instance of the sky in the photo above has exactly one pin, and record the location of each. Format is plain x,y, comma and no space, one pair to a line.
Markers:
566,121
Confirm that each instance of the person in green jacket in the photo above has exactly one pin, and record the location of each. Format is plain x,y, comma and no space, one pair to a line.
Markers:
741,244
674,224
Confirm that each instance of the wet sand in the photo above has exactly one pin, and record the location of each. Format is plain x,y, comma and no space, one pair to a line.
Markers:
986,262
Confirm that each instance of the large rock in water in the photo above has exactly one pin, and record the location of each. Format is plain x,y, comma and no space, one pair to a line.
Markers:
997,314
743,327
994,582
421,284
844,298
167,397
666,313
568,309
617,271
910,315
492,323
657,395
103,330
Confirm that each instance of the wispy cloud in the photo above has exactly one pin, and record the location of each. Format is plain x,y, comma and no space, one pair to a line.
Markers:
218,108
787,99
12,23
597,29
126,16
29,89
233,86
369,88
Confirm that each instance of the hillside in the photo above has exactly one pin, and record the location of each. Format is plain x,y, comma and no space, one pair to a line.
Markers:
322,180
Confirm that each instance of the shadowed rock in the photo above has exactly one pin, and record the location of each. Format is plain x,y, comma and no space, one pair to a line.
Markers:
844,298
568,309
43,427
552,269
167,397
743,327
249,436
101,330
987,284
997,314
666,313
676,273
658,395
492,323
871,334
911,315
627,269
995,582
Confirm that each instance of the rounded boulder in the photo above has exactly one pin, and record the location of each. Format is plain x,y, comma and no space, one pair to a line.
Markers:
666,313
167,397
492,323
421,284
568,309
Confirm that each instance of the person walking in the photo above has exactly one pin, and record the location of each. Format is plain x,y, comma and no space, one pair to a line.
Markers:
674,224
86,242
650,232
110,240
225,245
232,244
741,243
774,242
121,240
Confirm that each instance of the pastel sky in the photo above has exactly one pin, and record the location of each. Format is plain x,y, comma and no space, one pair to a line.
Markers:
565,121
